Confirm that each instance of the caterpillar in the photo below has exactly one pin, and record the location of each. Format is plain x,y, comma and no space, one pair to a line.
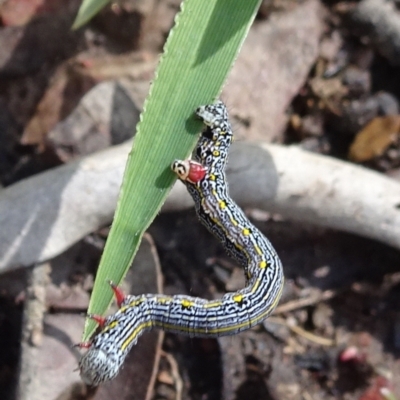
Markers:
205,180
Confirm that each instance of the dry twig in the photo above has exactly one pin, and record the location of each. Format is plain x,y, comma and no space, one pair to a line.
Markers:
49,212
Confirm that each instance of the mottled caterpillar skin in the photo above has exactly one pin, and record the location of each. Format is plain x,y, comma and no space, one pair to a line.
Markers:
205,180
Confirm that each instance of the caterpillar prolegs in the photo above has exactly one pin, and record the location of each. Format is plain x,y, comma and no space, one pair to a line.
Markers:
205,180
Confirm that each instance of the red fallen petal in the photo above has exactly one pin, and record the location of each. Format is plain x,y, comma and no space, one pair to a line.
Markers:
196,172
118,293
98,318
352,354
349,354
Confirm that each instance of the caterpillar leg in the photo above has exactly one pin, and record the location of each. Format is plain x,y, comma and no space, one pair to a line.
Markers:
118,293
101,321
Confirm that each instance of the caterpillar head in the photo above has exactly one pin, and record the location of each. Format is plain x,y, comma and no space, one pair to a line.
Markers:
213,115
97,366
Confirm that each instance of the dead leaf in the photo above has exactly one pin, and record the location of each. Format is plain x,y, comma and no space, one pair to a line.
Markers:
65,90
375,138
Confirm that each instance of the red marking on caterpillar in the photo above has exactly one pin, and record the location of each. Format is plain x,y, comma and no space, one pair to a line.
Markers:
196,172
118,293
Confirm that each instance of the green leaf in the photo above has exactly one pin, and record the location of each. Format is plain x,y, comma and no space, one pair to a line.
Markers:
198,55
87,10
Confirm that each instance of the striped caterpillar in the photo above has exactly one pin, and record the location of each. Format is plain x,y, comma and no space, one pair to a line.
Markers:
205,180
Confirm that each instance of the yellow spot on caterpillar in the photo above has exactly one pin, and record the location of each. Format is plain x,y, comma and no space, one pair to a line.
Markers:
258,250
246,232
110,326
238,298
263,264
216,153
133,303
222,204
187,303
163,300
212,177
